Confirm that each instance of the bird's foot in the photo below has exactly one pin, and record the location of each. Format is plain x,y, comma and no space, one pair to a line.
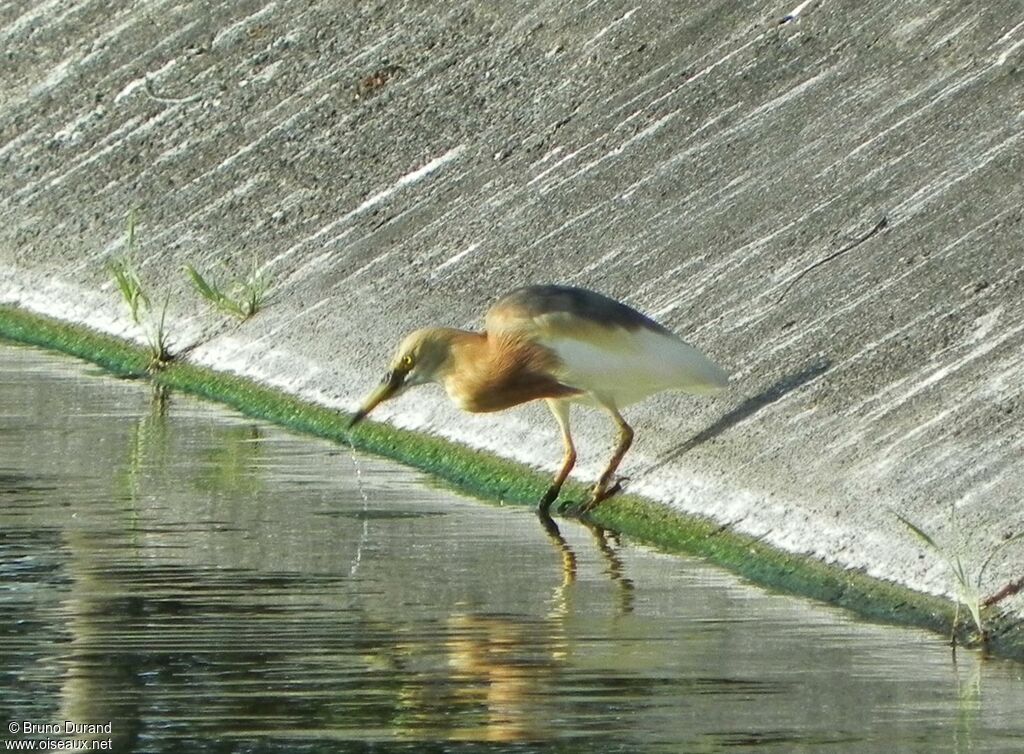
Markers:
572,509
601,494
580,509
549,497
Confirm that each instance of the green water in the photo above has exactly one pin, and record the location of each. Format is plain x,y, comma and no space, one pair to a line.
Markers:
203,582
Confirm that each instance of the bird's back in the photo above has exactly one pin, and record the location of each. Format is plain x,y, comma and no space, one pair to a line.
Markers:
605,347
555,304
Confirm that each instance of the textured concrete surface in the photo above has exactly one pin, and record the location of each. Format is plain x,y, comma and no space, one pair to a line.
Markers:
404,163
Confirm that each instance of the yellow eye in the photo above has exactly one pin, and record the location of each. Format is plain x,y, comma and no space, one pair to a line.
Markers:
407,362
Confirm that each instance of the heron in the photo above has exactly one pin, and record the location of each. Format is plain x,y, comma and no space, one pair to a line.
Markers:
560,344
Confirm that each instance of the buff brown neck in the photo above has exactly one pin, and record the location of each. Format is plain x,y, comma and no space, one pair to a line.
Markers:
489,373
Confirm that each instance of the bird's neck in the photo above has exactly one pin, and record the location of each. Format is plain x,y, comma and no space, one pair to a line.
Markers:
466,350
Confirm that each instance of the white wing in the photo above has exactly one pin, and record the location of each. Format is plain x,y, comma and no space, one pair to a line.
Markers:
605,347
627,366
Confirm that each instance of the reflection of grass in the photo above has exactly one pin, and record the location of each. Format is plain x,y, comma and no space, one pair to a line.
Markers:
230,466
242,298
968,584
968,705
227,467
150,434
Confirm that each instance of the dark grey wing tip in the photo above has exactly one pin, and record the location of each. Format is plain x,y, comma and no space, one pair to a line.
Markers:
582,303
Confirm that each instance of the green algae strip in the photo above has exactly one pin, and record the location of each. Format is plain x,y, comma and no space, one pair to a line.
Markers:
483,475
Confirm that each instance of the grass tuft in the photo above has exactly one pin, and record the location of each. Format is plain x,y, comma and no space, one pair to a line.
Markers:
159,349
242,298
129,285
967,584
127,279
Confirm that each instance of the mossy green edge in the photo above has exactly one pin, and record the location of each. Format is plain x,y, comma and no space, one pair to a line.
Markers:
484,475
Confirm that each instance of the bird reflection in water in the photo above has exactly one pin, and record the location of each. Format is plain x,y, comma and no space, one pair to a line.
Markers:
607,541
503,669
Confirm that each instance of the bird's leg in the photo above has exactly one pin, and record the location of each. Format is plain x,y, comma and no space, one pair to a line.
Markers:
604,489
561,411
568,556
615,568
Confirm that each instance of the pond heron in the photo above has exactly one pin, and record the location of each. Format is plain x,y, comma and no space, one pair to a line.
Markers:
561,344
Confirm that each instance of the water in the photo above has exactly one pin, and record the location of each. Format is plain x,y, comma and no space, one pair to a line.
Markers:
204,582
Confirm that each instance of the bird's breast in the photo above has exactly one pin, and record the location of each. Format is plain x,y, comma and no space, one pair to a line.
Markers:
460,396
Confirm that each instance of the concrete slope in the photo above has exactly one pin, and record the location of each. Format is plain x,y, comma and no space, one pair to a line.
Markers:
724,167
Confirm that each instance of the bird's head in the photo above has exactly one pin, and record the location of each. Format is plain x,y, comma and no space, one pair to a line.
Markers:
420,358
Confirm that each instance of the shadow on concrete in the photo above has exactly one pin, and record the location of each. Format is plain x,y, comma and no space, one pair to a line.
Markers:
748,408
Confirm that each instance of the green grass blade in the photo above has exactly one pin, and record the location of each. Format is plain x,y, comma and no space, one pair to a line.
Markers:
966,594
131,231
954,564
921,534
129,286
995,550
205,289
121,280
213,294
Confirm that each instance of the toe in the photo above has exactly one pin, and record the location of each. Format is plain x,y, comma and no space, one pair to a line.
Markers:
570,509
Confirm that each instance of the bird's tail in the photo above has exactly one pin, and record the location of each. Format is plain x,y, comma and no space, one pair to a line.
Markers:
696,373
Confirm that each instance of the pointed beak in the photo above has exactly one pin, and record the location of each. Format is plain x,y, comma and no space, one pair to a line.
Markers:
389,387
